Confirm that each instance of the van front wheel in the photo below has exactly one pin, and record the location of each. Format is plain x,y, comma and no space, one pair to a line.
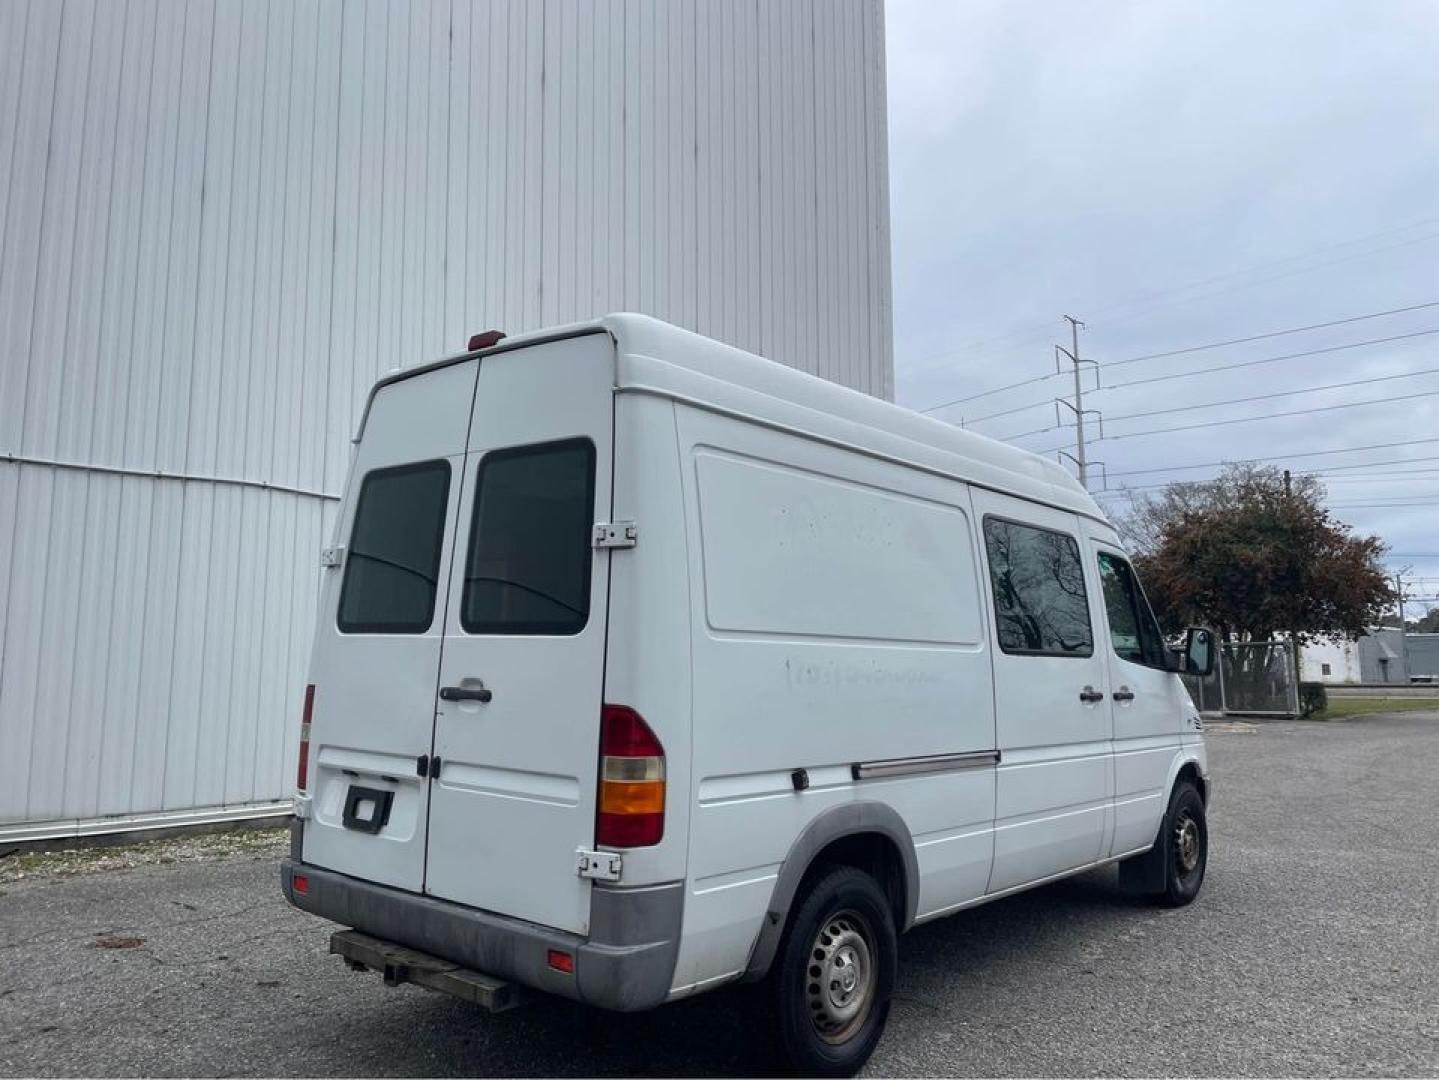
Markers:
834,974
1187,844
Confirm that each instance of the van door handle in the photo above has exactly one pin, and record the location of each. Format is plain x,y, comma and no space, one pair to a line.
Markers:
1124,694
1089,695
479,693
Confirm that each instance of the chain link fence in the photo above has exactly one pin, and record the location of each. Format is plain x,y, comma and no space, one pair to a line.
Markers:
1254,678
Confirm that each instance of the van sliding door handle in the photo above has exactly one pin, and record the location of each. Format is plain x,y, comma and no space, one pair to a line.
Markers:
1124,694
1089,695
465,693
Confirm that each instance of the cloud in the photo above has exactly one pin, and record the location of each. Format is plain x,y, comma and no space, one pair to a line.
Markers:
1174,175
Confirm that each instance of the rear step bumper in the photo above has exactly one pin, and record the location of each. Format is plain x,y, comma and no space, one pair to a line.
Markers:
627,963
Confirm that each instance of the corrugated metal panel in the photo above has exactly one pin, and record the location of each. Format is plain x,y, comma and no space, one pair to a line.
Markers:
221,221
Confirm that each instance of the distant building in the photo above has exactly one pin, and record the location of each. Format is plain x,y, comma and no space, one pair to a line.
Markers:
1330,662
1381,656
1422,655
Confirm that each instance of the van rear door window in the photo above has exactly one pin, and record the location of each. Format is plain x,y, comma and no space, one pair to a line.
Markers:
528,570
393,563
1040,605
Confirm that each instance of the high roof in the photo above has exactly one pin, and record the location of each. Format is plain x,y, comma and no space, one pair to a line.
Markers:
658,358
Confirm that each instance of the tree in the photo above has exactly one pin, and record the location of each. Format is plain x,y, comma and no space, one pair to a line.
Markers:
1252,557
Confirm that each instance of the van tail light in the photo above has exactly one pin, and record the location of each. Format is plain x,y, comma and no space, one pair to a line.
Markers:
632,781
302,775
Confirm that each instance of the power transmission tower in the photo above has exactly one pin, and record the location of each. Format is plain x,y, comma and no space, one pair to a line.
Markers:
1079,457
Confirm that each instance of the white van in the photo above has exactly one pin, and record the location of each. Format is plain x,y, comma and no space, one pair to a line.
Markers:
645,665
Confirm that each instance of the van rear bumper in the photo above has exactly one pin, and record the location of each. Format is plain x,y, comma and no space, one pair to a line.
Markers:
627,963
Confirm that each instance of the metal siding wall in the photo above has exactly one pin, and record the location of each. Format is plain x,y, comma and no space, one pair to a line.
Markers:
221,220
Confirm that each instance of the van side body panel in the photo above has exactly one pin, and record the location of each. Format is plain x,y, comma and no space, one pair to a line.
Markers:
836,621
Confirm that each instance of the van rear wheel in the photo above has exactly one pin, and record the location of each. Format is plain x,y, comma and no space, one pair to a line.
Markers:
834,974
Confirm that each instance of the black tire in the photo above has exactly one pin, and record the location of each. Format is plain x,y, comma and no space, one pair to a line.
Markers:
841,932
1185,837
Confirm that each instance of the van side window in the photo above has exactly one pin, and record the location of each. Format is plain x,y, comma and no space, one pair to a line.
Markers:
1132,629
393,564
528,570
1040,606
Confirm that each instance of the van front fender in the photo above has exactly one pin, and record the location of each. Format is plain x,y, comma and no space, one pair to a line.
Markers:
836,823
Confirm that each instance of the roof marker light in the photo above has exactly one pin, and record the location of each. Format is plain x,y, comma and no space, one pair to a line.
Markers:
486,340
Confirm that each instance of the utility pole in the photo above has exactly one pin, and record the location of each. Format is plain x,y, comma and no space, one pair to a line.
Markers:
1403,633
1399,594
1287,490
1079,457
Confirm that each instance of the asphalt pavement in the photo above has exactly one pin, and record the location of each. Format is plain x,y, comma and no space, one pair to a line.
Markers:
1313,950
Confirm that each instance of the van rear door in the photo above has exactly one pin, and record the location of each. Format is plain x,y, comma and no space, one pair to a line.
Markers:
377,643
522,667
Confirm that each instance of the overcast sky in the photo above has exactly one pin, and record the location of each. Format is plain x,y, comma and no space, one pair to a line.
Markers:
1176,175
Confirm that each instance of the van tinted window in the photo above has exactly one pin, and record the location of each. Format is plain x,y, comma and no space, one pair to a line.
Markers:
1132,629
393,563
1039,603
528,570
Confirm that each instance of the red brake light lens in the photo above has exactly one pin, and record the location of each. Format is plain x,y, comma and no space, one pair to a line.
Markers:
302,775
632,781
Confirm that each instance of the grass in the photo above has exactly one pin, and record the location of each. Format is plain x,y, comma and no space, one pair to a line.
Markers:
1342,707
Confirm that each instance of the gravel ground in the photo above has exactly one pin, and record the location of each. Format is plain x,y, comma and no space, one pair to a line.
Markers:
1313,950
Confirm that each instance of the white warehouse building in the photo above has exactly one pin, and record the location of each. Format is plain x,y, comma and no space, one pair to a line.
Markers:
221,220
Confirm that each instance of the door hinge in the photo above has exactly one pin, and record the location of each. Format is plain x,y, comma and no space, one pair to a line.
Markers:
427,768
599,865
332,556
616,534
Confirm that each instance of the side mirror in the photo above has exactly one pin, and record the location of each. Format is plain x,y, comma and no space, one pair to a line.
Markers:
1199,651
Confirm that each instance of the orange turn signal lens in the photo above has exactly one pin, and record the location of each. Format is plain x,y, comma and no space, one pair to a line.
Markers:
643,797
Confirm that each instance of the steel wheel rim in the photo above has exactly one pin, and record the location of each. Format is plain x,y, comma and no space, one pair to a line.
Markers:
1186,844
840,976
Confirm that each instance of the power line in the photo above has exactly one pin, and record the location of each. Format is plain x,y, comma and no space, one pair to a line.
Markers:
1007,412
1287,259
1271,334
1280,393
1289,457
1326,475
987,393
1255,419
1270,359
1140,304
1291,273
1230,401
1383,505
